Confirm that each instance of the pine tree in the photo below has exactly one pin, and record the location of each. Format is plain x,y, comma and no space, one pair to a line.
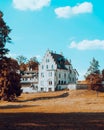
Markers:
4,38
93,68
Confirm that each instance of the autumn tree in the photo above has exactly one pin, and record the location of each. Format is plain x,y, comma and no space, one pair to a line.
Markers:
103,74
9,78
94,78
33,63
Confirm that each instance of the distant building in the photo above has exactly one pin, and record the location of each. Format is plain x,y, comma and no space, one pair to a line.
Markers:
29,80
55,72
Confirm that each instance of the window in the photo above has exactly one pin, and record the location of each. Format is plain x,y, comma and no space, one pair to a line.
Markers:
25,79
70,71
73,80
42,66
64,75
59,82
52,67
42,74
59,75
46,66
50,82
42,89
50,74
47,60
64,82
50,89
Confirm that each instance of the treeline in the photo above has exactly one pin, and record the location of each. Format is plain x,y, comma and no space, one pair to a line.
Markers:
25,64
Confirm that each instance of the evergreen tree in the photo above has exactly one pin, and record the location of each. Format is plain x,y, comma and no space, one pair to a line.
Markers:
4,38
94,68
21,59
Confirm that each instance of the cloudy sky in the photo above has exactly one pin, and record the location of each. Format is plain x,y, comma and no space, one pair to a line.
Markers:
74,27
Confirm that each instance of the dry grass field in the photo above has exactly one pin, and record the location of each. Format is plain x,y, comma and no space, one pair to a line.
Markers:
61,110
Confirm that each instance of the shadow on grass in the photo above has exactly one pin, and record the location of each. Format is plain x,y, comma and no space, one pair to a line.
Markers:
51,121
45,98
15,106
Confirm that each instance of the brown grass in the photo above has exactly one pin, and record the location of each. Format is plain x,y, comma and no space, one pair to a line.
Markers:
80,109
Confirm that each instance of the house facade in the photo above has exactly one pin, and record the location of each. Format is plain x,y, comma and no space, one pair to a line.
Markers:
55,72
29,81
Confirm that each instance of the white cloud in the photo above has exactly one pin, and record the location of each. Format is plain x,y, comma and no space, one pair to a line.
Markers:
30,4
88,45
63,12
68,11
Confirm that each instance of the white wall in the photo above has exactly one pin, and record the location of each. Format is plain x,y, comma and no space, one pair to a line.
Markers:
72,86
47,74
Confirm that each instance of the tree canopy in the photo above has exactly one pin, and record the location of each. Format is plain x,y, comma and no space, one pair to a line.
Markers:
25,64
10,86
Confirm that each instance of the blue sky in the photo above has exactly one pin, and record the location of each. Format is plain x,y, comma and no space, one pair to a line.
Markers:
74,27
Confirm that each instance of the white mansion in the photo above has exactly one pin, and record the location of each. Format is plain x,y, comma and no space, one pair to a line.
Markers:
55,72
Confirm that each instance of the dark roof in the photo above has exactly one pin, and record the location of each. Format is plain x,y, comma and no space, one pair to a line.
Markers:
59,60
67,62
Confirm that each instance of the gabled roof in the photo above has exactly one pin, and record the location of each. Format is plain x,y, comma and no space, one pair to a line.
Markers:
59,60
